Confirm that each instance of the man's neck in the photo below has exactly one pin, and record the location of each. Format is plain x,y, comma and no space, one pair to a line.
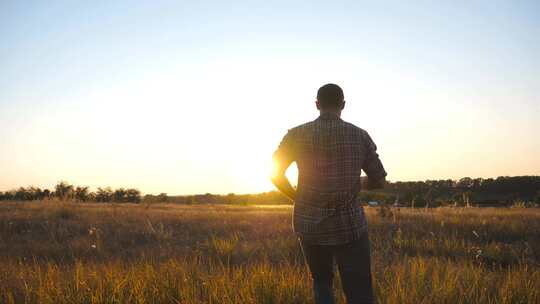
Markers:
330,113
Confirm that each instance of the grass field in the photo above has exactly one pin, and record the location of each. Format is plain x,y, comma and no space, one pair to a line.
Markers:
53,252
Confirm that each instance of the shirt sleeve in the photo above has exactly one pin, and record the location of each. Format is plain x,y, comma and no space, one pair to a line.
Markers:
372,166
286,152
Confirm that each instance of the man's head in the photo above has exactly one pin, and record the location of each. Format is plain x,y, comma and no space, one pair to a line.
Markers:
330,98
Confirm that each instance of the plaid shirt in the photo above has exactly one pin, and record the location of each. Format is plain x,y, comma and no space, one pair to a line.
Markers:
330,154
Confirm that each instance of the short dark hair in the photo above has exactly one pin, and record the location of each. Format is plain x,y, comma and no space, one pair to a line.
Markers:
330,96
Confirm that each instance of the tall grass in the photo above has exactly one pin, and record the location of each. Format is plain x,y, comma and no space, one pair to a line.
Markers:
98,253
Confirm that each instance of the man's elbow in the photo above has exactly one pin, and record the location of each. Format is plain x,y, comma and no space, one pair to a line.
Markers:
277,178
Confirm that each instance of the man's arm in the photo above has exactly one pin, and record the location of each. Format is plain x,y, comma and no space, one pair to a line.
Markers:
282,159
282,183
373,167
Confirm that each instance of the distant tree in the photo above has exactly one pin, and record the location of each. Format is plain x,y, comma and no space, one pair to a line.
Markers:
91,196
104,194
28,194
45,194
9,195
465,183
119,195
162,197
133,195
63,190
149,198
33,193
81,193
23,194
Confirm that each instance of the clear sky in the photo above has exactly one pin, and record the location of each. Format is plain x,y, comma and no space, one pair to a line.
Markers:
193,96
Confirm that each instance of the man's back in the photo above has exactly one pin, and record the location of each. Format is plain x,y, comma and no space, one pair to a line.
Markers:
330,154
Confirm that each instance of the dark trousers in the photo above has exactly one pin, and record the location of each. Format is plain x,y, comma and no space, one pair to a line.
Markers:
353,261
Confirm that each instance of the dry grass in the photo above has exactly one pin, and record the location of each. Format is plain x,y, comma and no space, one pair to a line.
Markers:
100,253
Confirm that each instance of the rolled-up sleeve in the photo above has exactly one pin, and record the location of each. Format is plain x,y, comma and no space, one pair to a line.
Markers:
372,165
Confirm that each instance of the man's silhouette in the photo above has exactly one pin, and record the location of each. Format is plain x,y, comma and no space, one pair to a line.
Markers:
330,154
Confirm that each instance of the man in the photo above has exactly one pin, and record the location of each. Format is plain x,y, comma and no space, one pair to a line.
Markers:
330,154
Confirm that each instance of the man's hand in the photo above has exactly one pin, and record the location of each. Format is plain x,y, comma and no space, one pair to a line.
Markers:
282,183
367,183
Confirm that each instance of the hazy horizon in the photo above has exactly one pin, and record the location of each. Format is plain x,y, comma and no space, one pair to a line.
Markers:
188,98
51,187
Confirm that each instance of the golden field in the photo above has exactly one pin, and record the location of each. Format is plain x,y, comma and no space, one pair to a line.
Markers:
57,252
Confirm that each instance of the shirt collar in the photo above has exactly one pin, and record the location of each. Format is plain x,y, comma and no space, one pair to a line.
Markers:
329,116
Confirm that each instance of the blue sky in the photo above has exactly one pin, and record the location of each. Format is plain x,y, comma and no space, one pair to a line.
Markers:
187,97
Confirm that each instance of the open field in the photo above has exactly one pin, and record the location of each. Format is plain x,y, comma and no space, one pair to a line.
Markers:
53,252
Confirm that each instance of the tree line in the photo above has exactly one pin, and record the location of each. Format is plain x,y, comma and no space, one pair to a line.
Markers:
500,191
65,191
